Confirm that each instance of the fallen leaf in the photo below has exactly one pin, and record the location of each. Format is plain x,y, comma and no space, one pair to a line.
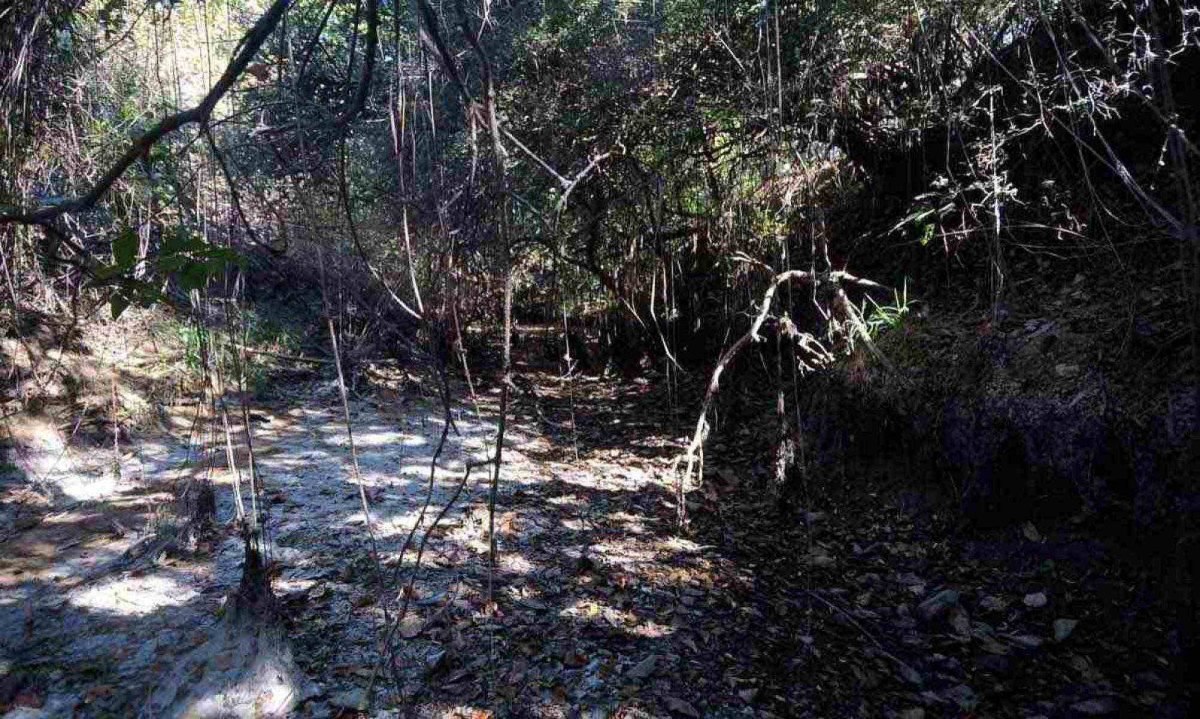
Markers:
29,699
99,691
937,605
1063,629
1102,706
960,621
411,627
643,669
574,659
679,706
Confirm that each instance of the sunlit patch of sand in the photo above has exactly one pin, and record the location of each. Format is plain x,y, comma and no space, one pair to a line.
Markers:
132,595
590,611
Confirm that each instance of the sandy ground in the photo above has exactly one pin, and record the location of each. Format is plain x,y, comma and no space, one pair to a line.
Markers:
867,605
87,632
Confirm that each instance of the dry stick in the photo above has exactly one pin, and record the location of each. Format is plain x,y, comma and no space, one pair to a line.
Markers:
363,89
362,491
412,268
570,370
362,494
230,457
671,361
694,452
116,427
904,667
204,348
407,593
498,156
240,374
306,53
344,193
234,196
997,249
1189,241
462,355
490,118
289,358
695,449
447,422
1109,159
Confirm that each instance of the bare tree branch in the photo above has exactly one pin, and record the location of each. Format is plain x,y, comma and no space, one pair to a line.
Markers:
248,47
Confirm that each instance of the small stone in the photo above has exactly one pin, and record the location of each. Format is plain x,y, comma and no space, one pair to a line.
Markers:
963,696
1066,370
320,710
679,706
993,664
1149,680
435,660
352,699
991,646
643,669
1063,629
1035,600
818,557
1028,642
960,621
937,605
992,604
1101,706
910,675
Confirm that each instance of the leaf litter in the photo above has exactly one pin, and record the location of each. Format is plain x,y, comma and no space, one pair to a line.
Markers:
851,605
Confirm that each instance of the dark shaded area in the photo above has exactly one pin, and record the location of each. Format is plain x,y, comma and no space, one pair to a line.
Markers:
832,587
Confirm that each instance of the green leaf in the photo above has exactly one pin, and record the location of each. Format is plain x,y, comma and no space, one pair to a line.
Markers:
183,241
215,265
118,303
125,248
193,276
176,243
106,272
171,263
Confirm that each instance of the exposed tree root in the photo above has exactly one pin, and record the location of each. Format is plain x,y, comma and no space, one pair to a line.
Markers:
693,457
244,668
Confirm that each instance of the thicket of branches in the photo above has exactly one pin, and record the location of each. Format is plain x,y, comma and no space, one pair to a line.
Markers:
665,169
656,151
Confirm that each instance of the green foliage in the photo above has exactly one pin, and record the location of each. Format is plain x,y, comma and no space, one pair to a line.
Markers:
8,470
192,337
881,318
186,257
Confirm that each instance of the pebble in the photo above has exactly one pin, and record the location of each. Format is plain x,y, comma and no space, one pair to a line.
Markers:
937,605
963,696
349,699
1063,629
643,669
1101,706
